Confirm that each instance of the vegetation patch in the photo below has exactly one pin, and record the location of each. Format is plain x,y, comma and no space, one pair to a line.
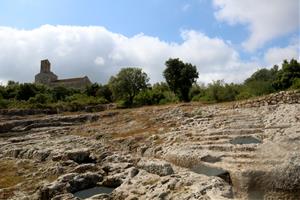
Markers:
9,175
131,88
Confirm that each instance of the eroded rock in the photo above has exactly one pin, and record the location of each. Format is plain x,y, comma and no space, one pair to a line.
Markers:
155,166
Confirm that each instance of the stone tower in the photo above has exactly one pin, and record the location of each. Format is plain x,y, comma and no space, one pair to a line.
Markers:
45,76
45,66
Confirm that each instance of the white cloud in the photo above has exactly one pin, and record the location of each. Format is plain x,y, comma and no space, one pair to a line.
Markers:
78,51
99,61
276,55
266,19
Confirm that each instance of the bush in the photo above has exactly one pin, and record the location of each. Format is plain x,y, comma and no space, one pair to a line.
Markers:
3,103
155,97
151,96
144,97
169,97
258,88
196,91
244,95
218,91
26,91
123,104
83,99
296,84
60,93
104,92
41,99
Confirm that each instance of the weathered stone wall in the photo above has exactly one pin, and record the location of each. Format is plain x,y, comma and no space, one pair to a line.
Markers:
284,97
79,83
45,78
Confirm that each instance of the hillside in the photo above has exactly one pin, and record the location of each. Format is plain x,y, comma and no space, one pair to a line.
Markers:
238,150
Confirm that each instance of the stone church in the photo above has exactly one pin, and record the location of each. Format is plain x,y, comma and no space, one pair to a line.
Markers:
50,79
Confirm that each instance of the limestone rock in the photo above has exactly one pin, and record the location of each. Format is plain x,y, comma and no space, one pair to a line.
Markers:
155,166
85,167
69,183
79,155
83,181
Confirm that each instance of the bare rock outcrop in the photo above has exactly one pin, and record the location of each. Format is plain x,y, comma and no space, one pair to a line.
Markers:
155,166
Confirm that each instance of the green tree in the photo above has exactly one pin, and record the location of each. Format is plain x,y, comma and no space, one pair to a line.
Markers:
264,74
26,90
287,75
91,90
104,92
11,90
40,98
180,77
59,93
128,83
260,82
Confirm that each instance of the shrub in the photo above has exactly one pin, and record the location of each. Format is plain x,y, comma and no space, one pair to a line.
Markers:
144,97
83,99
296,84
244,95
41,99
169,97
104,92
4,103
26,91
60,93
123,104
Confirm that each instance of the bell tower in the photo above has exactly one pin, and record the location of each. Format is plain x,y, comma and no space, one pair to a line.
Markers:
45,76
45,66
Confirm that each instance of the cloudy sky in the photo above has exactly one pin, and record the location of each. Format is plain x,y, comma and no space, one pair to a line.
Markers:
225,39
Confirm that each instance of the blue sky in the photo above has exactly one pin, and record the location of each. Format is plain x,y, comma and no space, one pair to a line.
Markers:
251,36
163,19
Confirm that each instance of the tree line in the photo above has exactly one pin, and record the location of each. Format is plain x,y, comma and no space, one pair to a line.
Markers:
131,87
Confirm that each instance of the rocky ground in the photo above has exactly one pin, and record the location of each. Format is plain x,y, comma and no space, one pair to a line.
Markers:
182,151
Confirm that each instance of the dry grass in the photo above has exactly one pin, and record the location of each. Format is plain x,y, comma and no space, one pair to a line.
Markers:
9,175
52,178
80,132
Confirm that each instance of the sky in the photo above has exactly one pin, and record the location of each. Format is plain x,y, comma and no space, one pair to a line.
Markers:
226,39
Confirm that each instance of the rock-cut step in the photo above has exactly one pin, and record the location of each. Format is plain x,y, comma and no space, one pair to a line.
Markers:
229,148
228,132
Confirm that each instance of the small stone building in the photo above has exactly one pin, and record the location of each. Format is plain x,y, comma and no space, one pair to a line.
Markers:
50,79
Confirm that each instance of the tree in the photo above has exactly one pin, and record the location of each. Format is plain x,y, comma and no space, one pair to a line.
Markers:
263,75
91,90
128,83
180,77
104,92
26,90
59,93
287,75
260,82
